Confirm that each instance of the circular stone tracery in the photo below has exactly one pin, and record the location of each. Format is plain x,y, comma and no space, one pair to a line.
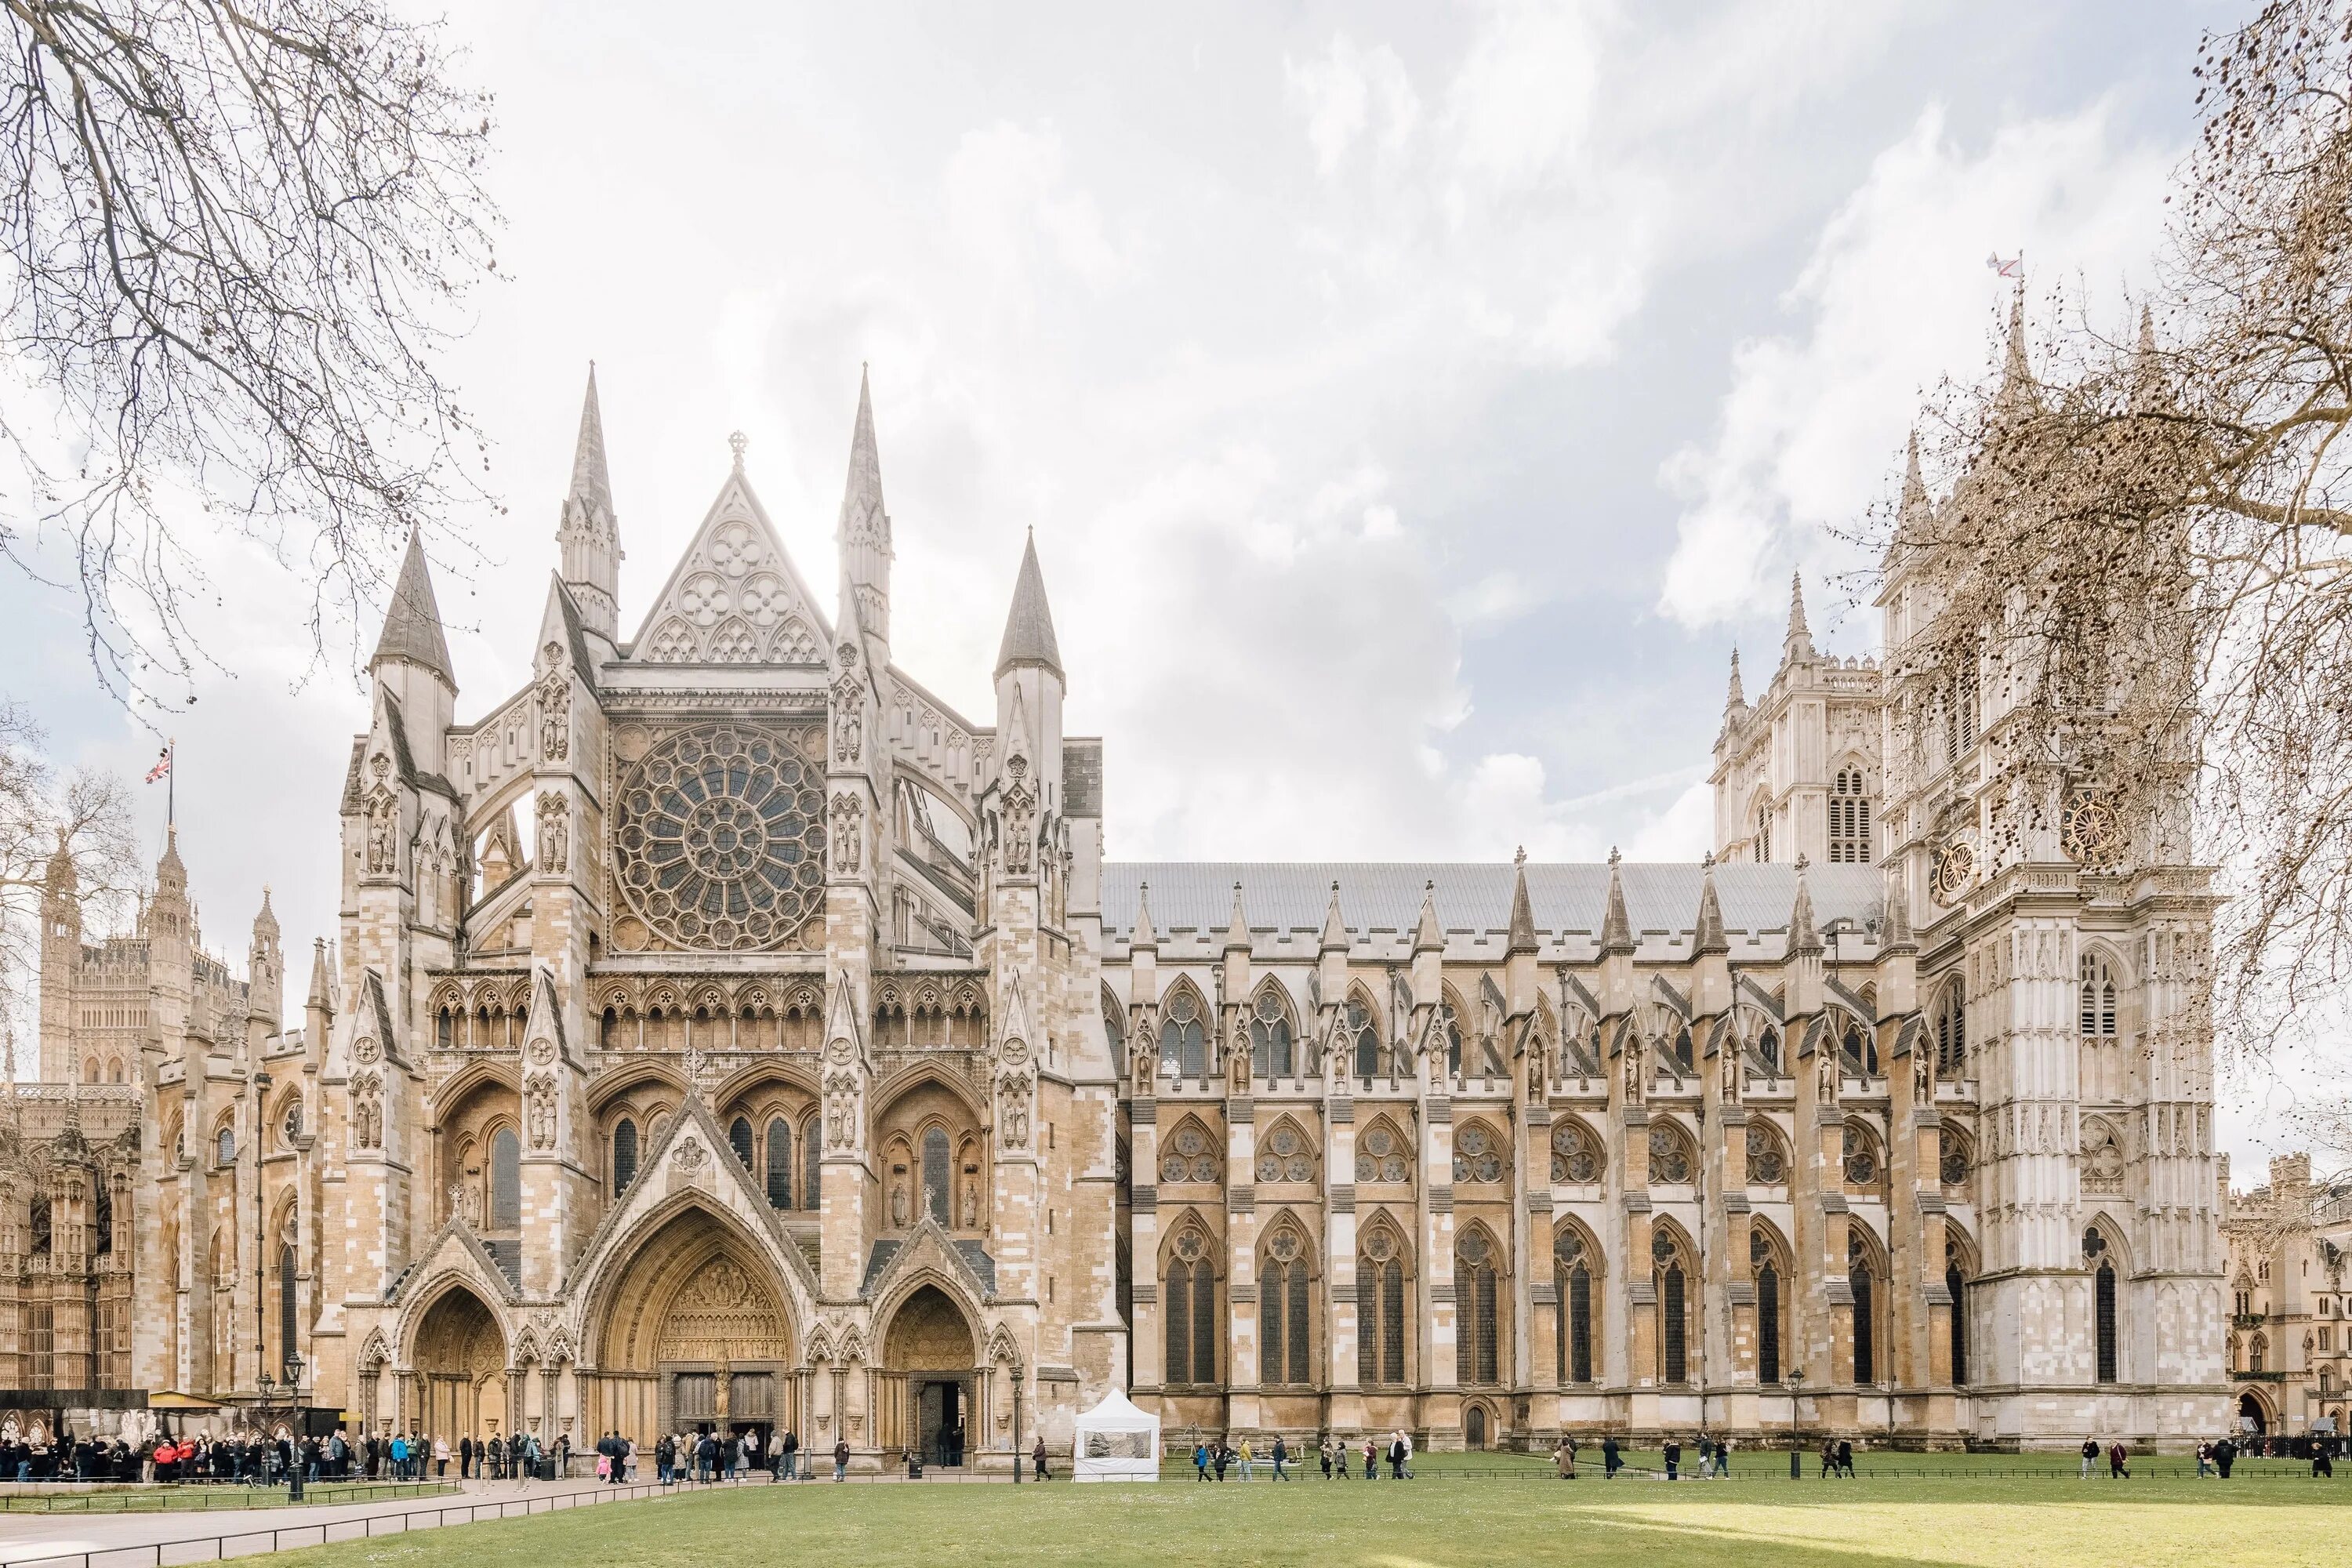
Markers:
721,839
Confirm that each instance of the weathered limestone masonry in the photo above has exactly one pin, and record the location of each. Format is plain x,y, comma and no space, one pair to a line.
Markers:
720,1029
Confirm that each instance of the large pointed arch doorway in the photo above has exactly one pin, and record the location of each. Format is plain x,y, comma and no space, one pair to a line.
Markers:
930,1370
460,1361
695,1337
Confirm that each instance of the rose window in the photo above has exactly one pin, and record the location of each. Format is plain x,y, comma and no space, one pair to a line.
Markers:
721,837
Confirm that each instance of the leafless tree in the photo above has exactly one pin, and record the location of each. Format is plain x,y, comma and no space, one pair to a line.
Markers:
86,813
235,238
2142,569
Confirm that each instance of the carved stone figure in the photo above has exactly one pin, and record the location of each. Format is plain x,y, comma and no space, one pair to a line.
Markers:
381,826
1013,1117
971,1202
1825,1080
899,1203
554,833
541,1114
1923,1086
848,833
1636,1078
554,709
1020,817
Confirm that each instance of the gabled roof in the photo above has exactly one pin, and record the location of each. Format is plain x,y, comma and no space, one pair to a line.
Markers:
734,596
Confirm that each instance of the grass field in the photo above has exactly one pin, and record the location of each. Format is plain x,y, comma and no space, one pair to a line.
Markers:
1447,1517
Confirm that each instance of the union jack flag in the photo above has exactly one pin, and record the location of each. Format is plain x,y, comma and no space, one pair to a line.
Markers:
162,766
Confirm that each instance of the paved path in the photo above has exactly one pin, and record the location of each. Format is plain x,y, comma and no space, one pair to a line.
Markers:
125,1540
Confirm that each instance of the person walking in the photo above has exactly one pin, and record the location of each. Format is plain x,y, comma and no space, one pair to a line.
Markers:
1281,1457
2090,1455
1674,1458
1610,1460
1722,1459
1200,1461
2323,1461
1563,1458
2204,1459
1845,1457
1245,1457
2225,1454
789,1456
1323,1452
1829,1457
1037,1456
841,1459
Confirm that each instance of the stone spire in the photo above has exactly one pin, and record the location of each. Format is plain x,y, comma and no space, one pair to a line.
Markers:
1916,505
267,920
412,623
1616,925
2150,391
1237,930
1143,937
862,534
589,534
1335,929
1523,913
2017,390
1029,629
1896,936
1428,936
1707,934
1735,696
322,994
1804,936
1799,643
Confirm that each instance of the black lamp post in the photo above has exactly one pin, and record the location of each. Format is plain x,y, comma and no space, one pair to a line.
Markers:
1795,1380
296,1447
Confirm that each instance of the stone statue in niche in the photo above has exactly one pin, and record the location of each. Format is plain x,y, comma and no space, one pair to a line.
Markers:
1923,1084
542,1115
970,1200
383,812
1825,1081
554,833
898,1214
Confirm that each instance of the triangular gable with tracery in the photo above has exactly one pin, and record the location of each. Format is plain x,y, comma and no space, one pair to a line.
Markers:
735,596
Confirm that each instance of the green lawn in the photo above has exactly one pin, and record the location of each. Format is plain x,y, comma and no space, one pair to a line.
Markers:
1443,1520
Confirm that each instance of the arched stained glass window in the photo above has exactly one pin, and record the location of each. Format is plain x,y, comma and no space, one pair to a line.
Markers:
624,1155
1849,819
1270,1033
812,1165
1365,1032
1476,1359
1183,1036
779,1164
936,1182
738,1138
506,1180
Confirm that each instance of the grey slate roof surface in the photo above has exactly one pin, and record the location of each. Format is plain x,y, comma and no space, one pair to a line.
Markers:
1568,898
412,622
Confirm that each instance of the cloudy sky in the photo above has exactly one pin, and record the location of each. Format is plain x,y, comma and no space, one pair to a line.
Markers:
1414,406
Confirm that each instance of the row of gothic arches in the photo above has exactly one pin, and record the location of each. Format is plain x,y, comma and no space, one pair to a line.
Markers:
1387,1290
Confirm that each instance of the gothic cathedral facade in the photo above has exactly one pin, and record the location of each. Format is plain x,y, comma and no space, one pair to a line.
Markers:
721,1029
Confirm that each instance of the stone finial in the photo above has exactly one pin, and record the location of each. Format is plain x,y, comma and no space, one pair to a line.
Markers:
1335,929
1616,924
1428,936
1707,934
1523,915
1804,936
1143,937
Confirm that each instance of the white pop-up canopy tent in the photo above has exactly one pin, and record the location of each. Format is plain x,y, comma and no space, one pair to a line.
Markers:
1116,1441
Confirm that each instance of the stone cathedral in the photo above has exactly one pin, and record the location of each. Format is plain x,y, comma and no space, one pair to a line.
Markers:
720,1029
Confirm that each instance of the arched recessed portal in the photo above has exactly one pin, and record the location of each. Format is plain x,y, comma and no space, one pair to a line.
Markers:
931,1356
696,1335
2250,1407
460,1359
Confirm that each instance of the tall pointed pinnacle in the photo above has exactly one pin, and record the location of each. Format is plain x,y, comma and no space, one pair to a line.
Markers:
321,982
1428,936
1800,641
1708,936
1896,934
2150,392
1237,930
1616,925
267,920
862,534
588,535
1914,488
1143,937
1029,629
412,623
1804,935
1735,696
1335,929
2017,389
1523,910
592,484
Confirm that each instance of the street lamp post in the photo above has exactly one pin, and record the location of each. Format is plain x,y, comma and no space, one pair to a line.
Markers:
294,1462
1795,1381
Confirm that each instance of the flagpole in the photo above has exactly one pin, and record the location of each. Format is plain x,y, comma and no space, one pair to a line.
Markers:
170,784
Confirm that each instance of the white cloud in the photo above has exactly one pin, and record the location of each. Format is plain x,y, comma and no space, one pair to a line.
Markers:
1011,204
1895,295
1338,93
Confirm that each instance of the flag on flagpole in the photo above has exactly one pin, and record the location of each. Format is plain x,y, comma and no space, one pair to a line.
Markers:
162,766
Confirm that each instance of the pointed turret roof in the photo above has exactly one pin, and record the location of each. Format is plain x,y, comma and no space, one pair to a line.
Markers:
1427,933
1800,641
2016,376
1707,934
1335,929
1734,695
412,622
1914,488
1804,935
1616,925
1523,913
267,920
1237,931
322,993
1143,936
170,872
1896,934
591,486
61,875
2150,391
861,497
1029,629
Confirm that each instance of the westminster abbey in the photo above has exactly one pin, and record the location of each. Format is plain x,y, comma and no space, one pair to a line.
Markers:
721,1029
